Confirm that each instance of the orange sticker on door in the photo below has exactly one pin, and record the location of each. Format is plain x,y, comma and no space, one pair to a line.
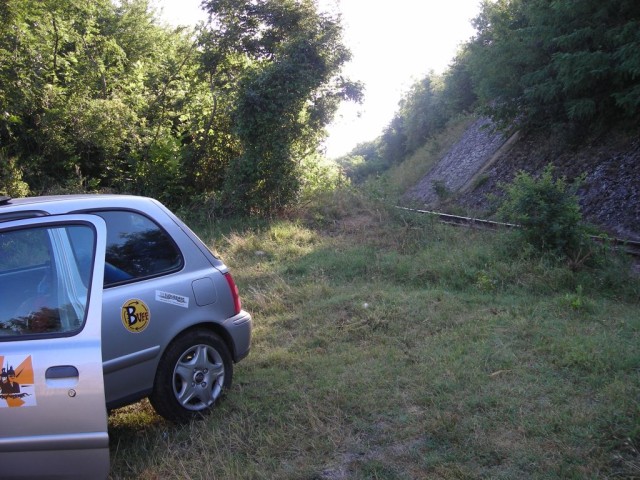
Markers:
16,382
136,316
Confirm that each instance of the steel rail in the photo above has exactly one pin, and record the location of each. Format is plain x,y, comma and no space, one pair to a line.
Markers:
631,247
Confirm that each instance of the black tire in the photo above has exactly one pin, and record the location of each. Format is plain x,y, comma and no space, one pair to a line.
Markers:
193,373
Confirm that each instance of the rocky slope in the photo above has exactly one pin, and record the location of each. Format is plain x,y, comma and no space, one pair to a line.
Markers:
483,158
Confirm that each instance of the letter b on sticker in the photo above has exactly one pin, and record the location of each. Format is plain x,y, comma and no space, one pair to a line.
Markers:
135,315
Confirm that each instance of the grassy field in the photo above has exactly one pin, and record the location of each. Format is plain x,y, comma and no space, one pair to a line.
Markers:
387,346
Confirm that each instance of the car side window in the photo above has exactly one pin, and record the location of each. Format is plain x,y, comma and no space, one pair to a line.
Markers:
41,280
137,248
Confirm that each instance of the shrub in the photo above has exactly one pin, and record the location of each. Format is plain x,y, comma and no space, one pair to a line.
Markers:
317,176
547,209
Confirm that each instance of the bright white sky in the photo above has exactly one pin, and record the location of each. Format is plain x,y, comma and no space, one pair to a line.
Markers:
393,44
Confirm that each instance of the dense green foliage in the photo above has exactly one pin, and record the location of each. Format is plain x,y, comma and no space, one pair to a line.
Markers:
100,95
544,62
91,95
547,209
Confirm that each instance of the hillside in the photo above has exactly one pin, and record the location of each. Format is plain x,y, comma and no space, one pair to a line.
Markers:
472,170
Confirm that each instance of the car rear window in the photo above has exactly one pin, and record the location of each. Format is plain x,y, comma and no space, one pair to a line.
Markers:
137,248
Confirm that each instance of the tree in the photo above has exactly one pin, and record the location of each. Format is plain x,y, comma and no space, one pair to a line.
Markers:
568,61
11,182
424,111
99,96
458,92
393,142
287,60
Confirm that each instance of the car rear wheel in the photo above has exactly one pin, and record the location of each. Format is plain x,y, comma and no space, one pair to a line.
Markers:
192,374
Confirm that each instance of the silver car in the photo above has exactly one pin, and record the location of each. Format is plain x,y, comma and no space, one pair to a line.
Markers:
104,300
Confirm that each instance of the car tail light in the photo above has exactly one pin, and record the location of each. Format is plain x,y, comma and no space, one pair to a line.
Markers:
234,293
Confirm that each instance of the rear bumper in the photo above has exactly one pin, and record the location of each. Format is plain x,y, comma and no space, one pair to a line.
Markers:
239,328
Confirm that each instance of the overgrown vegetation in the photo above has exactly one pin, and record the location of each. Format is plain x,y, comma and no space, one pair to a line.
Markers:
548,212
562,66
390,346
565,62
100,96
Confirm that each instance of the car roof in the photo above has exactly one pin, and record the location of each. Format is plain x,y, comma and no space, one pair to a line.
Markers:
15,208
72,199
59,204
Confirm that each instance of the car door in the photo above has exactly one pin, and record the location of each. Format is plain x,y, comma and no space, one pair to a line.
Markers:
53,420
141,262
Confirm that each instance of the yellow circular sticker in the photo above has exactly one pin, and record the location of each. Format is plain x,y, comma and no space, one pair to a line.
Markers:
135,316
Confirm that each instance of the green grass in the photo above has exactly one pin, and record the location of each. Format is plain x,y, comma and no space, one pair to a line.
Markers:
391,347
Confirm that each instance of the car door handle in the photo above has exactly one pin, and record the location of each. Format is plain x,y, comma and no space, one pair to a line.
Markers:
61,371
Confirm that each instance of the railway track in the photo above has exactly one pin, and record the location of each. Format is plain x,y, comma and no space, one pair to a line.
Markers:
630,247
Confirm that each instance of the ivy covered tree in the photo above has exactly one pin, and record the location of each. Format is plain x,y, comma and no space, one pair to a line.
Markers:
286,62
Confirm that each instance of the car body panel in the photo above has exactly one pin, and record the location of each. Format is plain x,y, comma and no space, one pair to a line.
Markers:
54,420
